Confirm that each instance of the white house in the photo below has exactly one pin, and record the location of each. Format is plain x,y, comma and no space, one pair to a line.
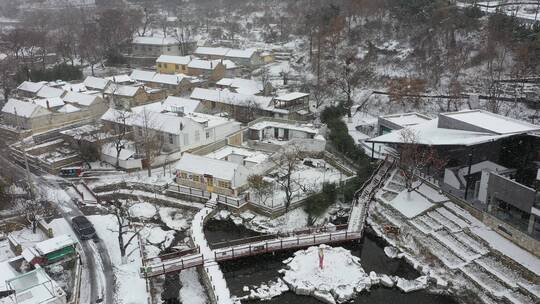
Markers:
210,174
155,46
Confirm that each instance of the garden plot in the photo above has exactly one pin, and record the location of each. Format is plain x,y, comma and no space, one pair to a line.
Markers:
471,242
485,280
461,249
448,224
454,218
450,259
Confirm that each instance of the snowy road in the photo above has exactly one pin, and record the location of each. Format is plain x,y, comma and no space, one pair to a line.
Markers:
94,254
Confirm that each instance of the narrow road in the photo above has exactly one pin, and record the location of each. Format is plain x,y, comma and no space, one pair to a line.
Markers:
95,255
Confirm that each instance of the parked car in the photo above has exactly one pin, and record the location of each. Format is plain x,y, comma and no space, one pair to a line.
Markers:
83,227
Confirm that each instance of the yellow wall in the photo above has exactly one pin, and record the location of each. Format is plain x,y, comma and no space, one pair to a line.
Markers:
171,68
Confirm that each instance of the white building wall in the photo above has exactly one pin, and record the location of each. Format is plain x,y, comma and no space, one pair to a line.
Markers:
482,188
451,179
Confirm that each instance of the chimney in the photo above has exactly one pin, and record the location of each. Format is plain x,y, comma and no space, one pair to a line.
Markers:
48,106
211,64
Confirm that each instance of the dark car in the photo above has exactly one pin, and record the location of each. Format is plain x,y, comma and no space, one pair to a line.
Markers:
83,227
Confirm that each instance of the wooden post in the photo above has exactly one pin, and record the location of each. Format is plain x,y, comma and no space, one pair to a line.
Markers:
232,248
250,249
163,265
182,261
281,243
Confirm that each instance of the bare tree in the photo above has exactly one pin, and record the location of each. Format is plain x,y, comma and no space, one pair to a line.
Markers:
348,74
126,231
261,188
415,158
150,138
120,130
286,161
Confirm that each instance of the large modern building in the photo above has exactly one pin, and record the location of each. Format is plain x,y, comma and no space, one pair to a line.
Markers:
491,163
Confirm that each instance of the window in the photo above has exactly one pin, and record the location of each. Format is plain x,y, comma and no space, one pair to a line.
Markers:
197,136
183,175
171,139
207,134
196,178
169,48
159,65
224,184
177,66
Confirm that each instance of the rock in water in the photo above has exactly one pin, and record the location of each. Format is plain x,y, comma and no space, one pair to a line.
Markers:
391,252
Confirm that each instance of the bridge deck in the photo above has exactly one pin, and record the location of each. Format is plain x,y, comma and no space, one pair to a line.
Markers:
249,249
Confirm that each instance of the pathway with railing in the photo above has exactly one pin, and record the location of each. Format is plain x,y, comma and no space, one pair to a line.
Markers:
363,197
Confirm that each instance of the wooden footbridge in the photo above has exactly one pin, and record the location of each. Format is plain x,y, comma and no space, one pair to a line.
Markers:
254,246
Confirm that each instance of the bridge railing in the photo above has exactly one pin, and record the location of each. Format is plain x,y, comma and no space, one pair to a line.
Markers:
173,265
170,256
283,244
264,237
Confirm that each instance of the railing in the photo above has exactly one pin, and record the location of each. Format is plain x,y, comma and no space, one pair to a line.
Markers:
264,237
188,190
232,201
283,244
170,256
172,266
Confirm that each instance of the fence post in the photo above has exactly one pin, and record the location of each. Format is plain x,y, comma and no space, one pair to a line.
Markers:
232,248
182,261
281,243
250,249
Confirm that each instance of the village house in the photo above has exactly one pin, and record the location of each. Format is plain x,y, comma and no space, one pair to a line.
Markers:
213,175
487,157
173,84
95,105
155,46
242,107
24,115
29,89
172,64
125,96
173,126
121,79
243,57
245,86
92,83
214,70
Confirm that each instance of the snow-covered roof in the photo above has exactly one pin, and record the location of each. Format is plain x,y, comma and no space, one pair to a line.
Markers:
210,166
406,119
230,98
203,64
168,78
140,75
173,104
229,65
249,155
122,90
110,150
114,115
291,96
49,92
238,53
29,86
491,122
122,78
96,83
242,86
54,244
68,108
428,133
211,51
80,98
167,123
308,128
75,87
34,287
49,102
155,40
24,108
174,59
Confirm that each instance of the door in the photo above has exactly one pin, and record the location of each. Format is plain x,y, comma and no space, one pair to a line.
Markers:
209,183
